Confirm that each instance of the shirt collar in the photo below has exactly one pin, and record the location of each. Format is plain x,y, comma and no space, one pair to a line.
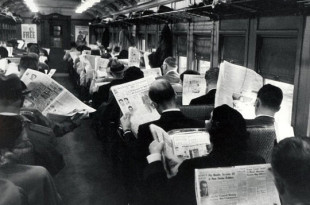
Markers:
262,115
8,113
171,109
171,71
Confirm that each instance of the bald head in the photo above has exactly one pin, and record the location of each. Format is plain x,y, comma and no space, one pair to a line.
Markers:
161,92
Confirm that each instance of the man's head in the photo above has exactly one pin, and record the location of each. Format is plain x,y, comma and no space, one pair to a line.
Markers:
169,64
211,77
203,188
269,99
116,68
291,167
29,61
12,93
3,52
162,95
188,72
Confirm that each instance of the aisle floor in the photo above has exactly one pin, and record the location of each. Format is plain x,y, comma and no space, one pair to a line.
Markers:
88,178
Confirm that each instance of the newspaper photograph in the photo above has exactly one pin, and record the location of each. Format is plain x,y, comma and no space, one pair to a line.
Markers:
48,96
101,67
133,57
194,86
246,185
237,87
152,72
133,98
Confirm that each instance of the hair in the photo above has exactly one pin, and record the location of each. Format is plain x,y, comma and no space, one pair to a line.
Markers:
203,182
3,52
191,72
133,73
291,162
212,75
123,54
116,49
270,96
161,91
228,129
28,62
171,61
73,44
34,49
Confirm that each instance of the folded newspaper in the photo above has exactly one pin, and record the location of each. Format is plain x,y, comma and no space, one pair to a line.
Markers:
237,87
246,185
152,72
49,97
181,144
194,86
133,98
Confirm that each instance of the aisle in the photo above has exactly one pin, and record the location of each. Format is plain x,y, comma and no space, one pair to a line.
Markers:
87,178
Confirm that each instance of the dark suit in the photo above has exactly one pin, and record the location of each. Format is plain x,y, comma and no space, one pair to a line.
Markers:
207,99
181,189
261,121
172,77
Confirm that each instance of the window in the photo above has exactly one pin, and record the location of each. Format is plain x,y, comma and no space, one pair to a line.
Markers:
182,52
232,49
182,61
202,50
151,42
141,44
284,116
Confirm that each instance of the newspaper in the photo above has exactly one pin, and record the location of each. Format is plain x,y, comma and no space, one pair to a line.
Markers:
74,55
42,59
133,98
237,87
93,60
146,60
101,67
10,51
152,72
194,86
181,144
133,57
48,96
249,185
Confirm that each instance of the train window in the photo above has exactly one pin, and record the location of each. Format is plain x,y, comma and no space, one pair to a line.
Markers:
277,57
232,49
202,50
284,116
182,52
141,44
182,4
151,42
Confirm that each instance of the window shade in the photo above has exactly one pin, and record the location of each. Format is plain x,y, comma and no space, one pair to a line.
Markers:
277,57
202,47
182,45
233,48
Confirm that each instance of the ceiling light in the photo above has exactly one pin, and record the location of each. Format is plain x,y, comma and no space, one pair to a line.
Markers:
86,4
31,5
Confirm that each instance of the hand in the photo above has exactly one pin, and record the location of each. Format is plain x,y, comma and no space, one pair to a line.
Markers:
78,117
125,121
156,147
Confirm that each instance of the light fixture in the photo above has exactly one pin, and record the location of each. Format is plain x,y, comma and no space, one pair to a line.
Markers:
86,4
31,5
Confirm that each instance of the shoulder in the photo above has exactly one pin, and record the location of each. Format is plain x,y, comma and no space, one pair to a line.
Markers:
198,100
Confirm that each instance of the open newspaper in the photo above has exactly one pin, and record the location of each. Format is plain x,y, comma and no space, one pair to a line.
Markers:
74,55
237,87
133,98
133,57
194,86
146,60
181,144
92,60
101,67
246,185
48,96
152,72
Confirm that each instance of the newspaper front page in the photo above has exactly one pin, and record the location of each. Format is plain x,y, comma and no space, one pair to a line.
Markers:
48,96
237,87
101,67
133,57
152,72
92,60
133,98
246,185
194,86
74,55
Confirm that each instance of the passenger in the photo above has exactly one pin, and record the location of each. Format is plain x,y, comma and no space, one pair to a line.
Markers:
28,62
42,67
3,61
267,104
116,51
211,77
228,137
190,72
3,52
169,69
67,56
163,97
42,138
291,167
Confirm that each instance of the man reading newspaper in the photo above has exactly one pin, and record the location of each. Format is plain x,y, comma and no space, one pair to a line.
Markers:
228,137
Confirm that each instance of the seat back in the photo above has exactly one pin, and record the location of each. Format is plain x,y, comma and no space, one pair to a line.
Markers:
178,99
197,112
262,141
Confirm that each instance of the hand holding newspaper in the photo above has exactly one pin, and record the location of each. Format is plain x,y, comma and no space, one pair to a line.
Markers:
251,185
181,144
48,96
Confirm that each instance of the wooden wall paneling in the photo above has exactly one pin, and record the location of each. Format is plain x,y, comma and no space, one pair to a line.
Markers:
215,41
279,23
251,58
190,46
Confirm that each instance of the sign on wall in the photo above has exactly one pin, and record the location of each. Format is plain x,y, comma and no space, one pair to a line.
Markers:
29,33
81,33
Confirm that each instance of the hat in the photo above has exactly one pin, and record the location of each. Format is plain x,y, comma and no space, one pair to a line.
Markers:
133,73
116,66
12,87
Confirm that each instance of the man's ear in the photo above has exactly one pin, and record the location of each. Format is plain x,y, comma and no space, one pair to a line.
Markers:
257,103
155,105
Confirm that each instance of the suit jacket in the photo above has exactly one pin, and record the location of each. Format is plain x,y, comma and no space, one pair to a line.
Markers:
172,77
207,99
181,189
261,121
